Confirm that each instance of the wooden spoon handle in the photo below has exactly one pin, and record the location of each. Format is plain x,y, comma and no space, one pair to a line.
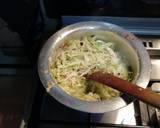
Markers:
145,95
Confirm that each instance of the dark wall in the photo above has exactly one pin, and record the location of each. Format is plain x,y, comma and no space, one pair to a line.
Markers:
19,14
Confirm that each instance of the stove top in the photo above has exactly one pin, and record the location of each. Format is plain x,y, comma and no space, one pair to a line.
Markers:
43,111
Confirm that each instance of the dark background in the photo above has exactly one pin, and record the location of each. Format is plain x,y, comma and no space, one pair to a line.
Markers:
21,15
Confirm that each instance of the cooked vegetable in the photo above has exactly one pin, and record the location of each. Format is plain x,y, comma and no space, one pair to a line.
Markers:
79,56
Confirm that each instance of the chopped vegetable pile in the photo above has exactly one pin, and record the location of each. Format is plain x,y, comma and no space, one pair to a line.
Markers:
79,56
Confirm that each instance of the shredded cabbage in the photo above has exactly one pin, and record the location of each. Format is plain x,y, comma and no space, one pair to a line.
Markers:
79,56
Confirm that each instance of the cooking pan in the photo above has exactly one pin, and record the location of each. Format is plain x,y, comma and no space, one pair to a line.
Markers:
129,45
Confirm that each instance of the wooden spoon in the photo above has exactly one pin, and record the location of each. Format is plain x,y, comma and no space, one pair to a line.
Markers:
145,95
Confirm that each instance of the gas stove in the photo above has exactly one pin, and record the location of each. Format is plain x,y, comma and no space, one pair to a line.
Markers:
30,23
43,111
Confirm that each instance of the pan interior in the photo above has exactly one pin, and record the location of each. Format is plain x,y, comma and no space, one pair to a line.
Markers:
123,46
